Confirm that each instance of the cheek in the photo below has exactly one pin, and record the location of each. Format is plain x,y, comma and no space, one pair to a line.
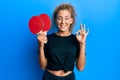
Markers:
58,21
68,22
71,21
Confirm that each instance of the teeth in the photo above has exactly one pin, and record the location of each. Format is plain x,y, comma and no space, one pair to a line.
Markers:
63,25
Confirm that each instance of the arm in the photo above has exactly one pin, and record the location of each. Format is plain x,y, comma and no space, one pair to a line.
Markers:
80,61
43,61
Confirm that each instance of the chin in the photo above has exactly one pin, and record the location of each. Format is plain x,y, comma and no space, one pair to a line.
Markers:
63,30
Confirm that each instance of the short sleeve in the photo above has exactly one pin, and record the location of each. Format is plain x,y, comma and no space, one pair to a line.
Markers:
77,50
45,50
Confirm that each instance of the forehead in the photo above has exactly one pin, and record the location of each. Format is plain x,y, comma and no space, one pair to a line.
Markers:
64,13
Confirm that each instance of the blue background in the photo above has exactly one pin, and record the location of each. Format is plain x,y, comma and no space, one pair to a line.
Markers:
18,46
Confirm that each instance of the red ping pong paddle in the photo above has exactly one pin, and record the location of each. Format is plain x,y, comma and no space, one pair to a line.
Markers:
35,24
46,21
39,23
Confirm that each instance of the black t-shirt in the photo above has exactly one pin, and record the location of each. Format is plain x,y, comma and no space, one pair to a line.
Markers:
61,52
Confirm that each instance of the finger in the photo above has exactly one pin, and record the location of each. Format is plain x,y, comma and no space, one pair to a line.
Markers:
45,41
42,40
38,37
39,32
87,32
84,29
42,33
45,38
81,27
45,32
78,33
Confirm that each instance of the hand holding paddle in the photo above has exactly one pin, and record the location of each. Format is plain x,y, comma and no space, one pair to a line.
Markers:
40,25
42,39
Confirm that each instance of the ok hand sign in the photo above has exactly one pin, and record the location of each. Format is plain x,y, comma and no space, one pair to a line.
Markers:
82,34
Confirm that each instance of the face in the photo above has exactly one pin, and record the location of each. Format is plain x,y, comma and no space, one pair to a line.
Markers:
64,20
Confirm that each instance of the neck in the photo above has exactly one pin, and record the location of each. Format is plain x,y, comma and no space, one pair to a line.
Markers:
67,33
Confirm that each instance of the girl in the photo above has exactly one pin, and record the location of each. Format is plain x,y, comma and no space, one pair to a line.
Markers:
63,48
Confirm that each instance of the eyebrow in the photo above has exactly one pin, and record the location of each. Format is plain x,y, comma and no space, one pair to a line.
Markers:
61,16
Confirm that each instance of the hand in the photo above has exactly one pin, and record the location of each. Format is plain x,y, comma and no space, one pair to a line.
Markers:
82,34
42,39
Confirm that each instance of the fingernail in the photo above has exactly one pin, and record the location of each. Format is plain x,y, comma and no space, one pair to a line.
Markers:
84,24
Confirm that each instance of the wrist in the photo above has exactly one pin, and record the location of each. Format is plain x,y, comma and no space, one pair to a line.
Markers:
41,46
82,43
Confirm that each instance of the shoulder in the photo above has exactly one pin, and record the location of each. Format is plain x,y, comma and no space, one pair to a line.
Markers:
73,36
51,35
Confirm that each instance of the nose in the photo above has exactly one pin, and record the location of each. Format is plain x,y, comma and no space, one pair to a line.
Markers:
62,21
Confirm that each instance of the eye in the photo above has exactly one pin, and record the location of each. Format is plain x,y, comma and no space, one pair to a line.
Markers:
58,18
67,18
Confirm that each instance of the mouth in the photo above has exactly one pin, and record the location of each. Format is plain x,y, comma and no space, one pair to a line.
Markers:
63,25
